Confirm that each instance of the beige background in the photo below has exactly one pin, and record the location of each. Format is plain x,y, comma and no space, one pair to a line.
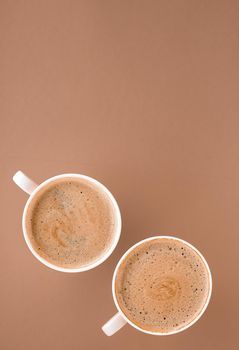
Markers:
143,96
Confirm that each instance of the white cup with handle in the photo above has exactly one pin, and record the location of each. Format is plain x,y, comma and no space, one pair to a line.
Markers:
120,319
32,189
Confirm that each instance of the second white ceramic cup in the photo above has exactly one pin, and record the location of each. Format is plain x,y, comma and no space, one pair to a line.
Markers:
119,320
31,188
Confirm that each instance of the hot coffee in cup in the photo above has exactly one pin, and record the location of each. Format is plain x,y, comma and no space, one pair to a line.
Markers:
161,286
71,222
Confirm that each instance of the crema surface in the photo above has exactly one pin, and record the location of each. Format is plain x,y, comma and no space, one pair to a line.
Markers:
71,223
162,285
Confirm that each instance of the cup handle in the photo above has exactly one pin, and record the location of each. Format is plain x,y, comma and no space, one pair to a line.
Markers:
114,324
24,182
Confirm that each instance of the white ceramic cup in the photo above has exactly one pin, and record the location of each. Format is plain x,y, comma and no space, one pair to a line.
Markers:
120,319
32,189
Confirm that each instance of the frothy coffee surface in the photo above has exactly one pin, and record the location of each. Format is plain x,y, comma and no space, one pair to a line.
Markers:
162,285
71,223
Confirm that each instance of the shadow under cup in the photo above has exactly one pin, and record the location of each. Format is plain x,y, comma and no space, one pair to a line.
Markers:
68,215
162,285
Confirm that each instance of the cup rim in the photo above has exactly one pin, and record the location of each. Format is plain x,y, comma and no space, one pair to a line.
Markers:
117,231
154,332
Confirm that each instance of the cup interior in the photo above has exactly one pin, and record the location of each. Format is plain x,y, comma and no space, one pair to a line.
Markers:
128,252
100,187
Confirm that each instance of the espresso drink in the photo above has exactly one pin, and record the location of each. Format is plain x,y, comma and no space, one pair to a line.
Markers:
70,223
162,285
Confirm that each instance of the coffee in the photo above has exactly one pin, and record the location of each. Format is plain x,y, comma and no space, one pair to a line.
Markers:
70,223
162,285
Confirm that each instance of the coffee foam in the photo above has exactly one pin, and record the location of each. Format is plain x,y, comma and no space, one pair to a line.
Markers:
162,285
70,223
